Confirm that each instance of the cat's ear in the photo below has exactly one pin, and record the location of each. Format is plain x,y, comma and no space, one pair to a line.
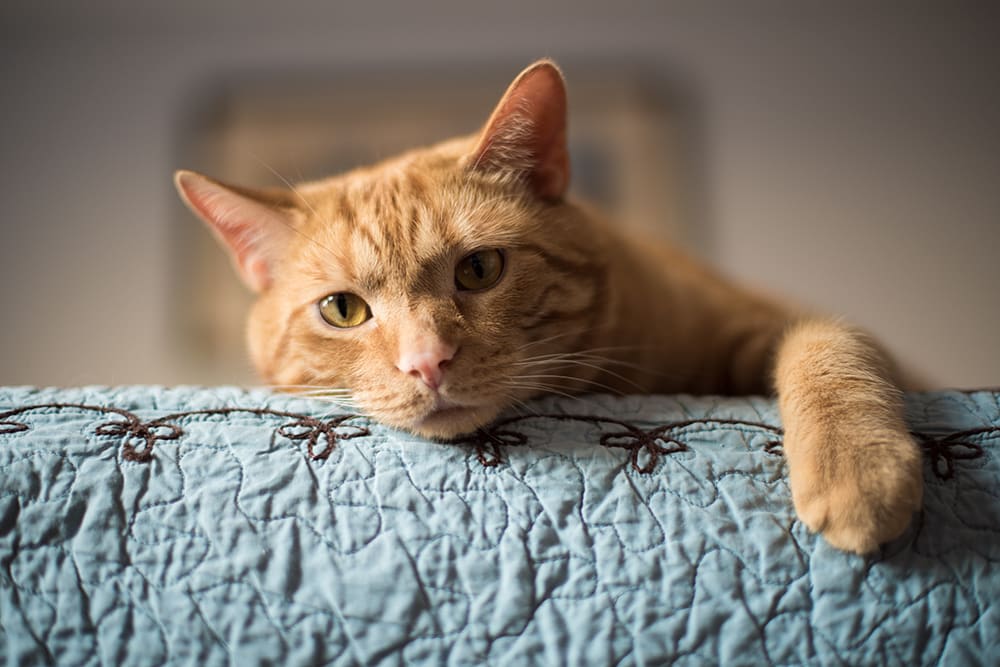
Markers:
254,226
527,132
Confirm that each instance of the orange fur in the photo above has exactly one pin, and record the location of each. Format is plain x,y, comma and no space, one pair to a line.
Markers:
581,306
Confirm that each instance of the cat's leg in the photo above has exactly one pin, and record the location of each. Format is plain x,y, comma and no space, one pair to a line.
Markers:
855,471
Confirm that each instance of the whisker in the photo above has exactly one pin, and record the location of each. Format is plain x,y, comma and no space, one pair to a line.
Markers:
390,402
336,395
603,362
317,388
552,338
289,386
522,405
549,389
571,378
569,361
334,401
544,388
594,350
326,392
589,355
320,391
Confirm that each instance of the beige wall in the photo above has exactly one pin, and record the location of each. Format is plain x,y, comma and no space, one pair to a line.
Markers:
848,157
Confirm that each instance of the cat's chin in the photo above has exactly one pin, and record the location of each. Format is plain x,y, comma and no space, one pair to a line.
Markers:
453,422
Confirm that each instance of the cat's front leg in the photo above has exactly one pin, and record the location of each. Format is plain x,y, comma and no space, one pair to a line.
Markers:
855,471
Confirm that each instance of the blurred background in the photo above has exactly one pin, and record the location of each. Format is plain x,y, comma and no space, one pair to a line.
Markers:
845,155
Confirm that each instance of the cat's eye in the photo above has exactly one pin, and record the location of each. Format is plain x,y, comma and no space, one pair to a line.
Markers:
479,270
344,310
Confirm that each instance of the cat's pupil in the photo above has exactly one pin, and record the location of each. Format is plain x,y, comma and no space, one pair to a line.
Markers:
342,305
477,267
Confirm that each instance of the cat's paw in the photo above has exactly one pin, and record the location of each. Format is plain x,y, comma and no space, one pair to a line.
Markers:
859,492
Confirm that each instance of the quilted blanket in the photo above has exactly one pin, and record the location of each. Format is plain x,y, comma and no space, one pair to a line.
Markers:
157,526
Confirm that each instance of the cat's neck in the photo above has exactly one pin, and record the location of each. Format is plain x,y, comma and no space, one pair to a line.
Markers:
664,302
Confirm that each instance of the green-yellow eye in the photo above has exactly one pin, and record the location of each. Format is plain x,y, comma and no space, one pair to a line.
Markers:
479,270
344,310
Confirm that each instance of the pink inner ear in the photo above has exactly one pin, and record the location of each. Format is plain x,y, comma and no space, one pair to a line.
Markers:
527,131
248,229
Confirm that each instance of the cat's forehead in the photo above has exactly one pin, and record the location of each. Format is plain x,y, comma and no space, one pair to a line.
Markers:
388,228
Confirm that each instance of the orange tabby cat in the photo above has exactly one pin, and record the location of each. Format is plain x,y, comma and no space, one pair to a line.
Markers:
450,283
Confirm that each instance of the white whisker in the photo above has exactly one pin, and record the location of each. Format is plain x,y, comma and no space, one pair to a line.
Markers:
569,360
572,378
550,339
549,389
543,387
522,405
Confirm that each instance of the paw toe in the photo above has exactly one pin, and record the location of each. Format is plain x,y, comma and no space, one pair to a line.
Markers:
862,510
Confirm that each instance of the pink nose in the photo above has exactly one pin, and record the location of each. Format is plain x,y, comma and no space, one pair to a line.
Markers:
426,361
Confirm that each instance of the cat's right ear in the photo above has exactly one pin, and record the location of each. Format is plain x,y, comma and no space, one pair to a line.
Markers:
526,134
253,226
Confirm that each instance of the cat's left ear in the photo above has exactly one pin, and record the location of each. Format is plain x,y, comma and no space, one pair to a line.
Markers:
527,132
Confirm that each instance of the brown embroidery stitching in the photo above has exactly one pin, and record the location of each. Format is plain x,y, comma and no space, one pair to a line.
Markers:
945,450
645,446
140,437
942,452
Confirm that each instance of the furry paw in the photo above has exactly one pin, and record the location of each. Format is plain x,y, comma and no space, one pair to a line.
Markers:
858,492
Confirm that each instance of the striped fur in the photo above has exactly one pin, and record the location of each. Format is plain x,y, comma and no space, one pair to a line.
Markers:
582,306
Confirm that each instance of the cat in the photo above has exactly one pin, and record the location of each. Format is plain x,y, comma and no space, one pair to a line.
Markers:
440,287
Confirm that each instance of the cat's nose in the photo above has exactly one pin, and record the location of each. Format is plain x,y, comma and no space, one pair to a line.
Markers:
427,361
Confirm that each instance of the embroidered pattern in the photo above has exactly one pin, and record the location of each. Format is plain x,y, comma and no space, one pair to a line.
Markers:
943,451
139,437
645,445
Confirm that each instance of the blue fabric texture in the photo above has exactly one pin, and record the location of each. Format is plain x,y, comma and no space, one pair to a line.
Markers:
151,526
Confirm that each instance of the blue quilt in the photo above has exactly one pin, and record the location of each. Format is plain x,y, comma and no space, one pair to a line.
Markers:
159,526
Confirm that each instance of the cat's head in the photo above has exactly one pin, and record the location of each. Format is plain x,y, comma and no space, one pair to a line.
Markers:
433,288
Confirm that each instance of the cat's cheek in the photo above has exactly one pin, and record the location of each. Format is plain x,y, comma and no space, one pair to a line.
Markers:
262,334
494,315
